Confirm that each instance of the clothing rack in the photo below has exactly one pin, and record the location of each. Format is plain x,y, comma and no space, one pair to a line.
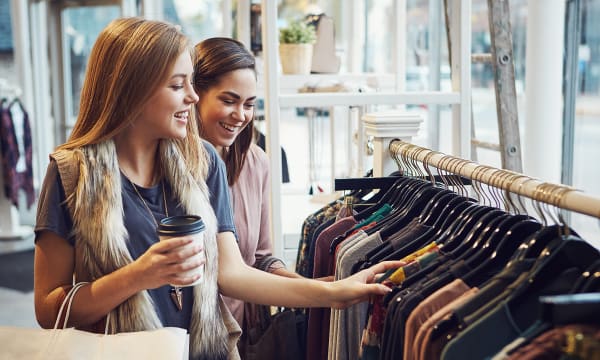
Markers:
386,181
561,196
13,235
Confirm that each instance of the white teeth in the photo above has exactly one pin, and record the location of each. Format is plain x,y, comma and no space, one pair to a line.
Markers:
228,127
182,115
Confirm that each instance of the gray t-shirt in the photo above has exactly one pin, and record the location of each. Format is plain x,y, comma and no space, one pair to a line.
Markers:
53,215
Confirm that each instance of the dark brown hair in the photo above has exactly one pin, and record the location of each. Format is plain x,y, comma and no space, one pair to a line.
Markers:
216,57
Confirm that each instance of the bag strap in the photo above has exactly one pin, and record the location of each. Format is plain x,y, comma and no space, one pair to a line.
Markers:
67,302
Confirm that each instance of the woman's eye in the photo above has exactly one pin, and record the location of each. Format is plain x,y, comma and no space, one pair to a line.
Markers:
249,106
177,87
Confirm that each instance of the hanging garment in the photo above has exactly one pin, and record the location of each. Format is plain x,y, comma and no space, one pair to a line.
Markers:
17,150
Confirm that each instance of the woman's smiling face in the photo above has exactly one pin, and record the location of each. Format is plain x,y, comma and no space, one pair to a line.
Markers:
226,108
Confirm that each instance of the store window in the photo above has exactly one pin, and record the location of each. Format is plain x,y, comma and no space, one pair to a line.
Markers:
199,19
80,28
586,148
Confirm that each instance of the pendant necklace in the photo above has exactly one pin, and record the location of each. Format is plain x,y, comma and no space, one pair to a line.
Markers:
175,292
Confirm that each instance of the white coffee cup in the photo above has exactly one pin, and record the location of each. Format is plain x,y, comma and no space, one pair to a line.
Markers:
183,225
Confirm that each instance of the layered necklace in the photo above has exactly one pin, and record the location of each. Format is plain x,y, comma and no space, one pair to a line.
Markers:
175,291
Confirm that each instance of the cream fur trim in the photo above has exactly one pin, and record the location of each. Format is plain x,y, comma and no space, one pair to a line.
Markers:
97,211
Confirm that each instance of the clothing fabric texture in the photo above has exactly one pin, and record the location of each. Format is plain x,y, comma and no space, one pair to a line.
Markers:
250,199
103,220
318,318
17,150
426,310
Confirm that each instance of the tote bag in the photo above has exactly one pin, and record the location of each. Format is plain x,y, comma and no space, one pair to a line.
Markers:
69,343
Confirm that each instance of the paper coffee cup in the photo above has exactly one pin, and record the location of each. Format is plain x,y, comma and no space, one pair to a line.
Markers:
182,225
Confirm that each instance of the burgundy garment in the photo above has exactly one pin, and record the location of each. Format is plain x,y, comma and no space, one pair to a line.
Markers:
16,179
550,345
318,318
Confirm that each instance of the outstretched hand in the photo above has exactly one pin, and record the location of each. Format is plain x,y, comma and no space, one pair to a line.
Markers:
358,287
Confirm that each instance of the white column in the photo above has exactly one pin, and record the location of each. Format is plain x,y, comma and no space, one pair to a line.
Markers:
270,42
386,126
152,9
460,28
543,89
243,22
399,45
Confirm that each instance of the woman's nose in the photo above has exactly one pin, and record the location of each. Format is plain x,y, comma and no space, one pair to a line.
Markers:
192,97
238,113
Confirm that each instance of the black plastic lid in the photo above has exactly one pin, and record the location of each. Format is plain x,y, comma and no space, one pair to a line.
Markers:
180,225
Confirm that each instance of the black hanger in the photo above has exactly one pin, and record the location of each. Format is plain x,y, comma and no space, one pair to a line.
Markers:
492,237
473,221
567,252
457,217
385,198
500,250
436,204
412,211
588,279
432,235
541,240
397,221
478,235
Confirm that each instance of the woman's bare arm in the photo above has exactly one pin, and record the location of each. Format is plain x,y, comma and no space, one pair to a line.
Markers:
240,281
53,276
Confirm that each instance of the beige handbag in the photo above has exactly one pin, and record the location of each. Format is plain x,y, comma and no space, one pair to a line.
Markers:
69,343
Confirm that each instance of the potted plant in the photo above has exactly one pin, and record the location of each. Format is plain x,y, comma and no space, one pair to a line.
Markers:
296,47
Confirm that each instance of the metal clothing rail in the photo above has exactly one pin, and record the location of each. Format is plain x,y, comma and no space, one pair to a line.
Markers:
559,195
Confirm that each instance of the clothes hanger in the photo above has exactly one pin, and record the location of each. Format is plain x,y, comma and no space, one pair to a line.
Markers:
588,279
492,258
455,229
410,200
453,212
549,233
384,199
478,237
384,250
431,216
411,211
570,255
497,226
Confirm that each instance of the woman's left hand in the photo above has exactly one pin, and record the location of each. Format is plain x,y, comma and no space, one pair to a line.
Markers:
358,287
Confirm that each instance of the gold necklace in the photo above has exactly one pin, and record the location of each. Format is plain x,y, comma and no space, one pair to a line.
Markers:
146,204
175,292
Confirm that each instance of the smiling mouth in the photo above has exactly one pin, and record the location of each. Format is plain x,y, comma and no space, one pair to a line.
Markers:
183,115
228,127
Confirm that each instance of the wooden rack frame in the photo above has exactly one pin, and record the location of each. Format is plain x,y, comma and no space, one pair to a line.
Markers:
561,196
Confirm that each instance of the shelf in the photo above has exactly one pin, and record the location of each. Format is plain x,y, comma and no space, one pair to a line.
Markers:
291,83
381,98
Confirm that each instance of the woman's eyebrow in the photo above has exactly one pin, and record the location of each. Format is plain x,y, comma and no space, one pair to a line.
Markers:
236,96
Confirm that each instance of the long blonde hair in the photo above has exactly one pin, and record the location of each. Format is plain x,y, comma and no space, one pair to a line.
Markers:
131,58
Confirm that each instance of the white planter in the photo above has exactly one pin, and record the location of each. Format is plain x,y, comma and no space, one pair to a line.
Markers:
296,58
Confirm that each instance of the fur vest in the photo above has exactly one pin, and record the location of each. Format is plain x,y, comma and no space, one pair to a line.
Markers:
92,183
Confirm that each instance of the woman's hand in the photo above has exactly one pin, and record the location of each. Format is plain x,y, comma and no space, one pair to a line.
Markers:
167,261
358,287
